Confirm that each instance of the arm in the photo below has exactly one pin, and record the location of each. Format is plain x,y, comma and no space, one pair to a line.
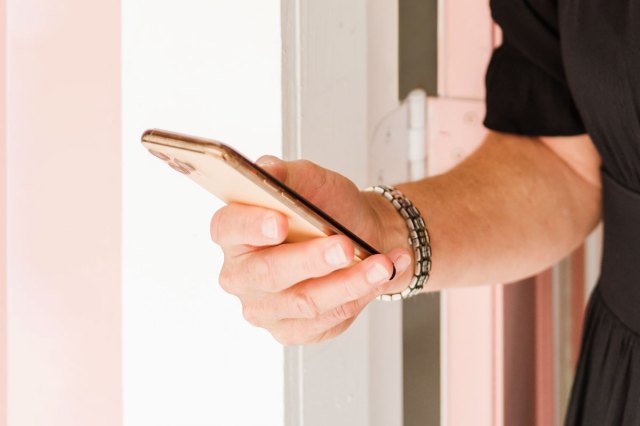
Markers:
510,209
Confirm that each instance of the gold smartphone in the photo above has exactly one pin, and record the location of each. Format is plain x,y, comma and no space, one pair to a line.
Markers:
234,179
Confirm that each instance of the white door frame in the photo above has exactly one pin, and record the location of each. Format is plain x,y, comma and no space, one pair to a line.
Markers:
340,82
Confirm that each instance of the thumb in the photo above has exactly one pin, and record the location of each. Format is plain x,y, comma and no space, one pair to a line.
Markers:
274,166
304,177
330,191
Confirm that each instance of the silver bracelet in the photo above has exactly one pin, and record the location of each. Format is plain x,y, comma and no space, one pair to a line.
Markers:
418,240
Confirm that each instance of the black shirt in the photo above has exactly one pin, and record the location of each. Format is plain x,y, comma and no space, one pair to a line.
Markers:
568,67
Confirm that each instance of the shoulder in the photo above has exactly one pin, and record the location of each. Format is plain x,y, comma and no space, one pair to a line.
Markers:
530,28
525,10
527,89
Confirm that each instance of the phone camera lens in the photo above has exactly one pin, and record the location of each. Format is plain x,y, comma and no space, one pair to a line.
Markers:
185,165
160,155
179,168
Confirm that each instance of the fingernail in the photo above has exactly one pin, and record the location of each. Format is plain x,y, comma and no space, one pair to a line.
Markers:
377,274
402,263
335,256
270,228
267,160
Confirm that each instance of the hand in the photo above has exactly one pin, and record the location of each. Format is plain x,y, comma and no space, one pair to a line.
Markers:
310,291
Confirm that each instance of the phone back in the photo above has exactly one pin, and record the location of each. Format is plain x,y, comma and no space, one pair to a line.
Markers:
220,172
234,179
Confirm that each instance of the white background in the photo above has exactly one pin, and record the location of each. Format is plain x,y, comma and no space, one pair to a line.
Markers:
208,68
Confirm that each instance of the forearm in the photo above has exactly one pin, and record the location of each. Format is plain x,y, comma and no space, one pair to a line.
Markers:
511,209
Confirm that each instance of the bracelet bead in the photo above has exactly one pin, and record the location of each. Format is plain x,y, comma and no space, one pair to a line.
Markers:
418,240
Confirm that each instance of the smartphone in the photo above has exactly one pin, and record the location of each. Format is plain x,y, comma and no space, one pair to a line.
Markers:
234,179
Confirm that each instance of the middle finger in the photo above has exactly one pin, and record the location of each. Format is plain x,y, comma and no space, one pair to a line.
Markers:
315,297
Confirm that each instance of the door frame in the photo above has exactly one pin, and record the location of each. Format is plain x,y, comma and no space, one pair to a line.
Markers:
355,378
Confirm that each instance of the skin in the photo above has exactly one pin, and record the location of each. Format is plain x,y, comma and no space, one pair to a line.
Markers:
509,210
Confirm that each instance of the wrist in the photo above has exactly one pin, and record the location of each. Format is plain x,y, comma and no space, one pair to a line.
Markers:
390,227
393,232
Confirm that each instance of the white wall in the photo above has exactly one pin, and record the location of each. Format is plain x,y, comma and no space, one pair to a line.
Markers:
209,68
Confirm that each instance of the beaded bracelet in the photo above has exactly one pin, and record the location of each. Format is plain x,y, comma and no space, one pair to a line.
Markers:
418,240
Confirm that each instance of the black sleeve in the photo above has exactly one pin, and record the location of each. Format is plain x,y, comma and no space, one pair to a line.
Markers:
527,90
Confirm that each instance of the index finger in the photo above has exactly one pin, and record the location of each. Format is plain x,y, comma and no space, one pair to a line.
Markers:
241,224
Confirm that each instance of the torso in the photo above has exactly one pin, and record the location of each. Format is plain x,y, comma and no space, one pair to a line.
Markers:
600,42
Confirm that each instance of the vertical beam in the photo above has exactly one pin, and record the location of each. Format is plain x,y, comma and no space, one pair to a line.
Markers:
325,84
544,379
467,315
325,119
519,353
421,343
498,320
577,304
421,360
418,54
385,319
470,363
593,258
64,212
340,80
472,319
559,342
466,44
3,219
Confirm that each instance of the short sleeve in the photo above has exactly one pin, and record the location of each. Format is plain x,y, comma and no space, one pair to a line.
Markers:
527,90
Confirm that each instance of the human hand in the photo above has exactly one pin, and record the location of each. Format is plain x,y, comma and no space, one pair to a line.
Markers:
309,291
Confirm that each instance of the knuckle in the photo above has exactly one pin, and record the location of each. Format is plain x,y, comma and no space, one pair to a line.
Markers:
329,333
301,333
306,165
283,338
341,313
226,279
260,271
309,263
250,315
214,227
270,272
277,336
349,290
305,306
346,310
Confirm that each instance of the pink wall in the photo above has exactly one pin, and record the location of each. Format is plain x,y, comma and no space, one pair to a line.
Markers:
465,48
473,317
64,225
3,234
510,377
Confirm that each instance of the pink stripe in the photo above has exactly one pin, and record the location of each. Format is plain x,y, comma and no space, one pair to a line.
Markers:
468,43
577,301
474,320
470,357
3,218
498,354
519,348
64,212
498,320
544,349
